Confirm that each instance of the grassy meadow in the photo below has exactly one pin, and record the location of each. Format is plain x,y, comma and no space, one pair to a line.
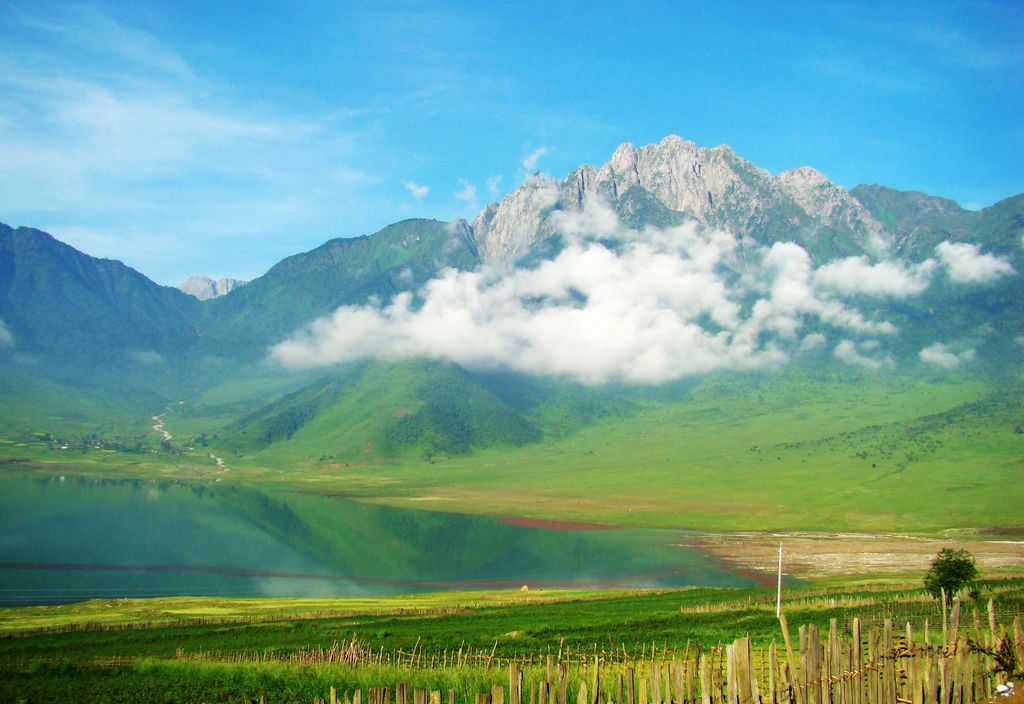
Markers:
238,650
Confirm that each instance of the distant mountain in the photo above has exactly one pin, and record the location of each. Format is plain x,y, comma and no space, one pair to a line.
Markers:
204,288
73,316
675,181
79,311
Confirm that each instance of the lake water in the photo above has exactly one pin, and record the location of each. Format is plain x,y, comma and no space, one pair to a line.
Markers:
68,539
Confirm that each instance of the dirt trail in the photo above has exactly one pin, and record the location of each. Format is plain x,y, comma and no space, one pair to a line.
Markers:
158,426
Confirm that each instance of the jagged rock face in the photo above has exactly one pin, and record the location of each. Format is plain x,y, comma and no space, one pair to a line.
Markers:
711,185
832,205
204,288
512,226
683,177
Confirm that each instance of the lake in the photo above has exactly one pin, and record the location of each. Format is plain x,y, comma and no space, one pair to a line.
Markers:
65,539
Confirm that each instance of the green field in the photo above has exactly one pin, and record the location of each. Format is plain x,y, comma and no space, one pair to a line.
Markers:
162,650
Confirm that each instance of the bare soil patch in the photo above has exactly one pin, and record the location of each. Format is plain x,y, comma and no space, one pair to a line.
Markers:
847,554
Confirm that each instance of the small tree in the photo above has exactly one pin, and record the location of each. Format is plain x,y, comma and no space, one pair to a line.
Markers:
951,570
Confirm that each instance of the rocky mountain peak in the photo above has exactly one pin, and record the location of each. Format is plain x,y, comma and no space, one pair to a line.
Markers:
512,226
623,164
204,288
803,175
712,185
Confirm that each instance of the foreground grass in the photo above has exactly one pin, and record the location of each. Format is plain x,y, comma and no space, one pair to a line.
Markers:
169,681
499,623
176,610
241,659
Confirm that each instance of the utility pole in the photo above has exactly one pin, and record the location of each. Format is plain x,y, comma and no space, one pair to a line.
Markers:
778,599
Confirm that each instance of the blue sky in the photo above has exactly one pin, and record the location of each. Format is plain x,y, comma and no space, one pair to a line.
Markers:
219,137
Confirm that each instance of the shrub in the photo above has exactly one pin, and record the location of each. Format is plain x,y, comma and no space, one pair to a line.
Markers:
951,570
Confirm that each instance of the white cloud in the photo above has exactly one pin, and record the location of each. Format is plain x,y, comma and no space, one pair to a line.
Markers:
793,296
494,186
467,193
886,279
946,357
966,263
813,341
595,219
419,192
533,158
6,337
660,304
146,357
106,36
879,243
852,353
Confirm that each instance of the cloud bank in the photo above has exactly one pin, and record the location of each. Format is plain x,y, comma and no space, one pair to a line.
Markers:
856,275
967,264
6,337
863,354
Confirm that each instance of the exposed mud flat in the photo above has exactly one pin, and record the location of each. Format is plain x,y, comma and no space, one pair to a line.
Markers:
846,554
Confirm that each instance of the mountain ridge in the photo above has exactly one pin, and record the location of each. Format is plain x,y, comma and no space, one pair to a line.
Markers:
660,185
58,300
713,186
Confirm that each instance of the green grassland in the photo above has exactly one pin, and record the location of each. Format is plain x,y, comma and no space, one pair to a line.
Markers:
915,457
34,406
69,653
184,610
506,623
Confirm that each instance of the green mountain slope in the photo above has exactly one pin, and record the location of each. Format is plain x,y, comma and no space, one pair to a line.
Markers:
371,411
949,311
35,406
78,310
401,257
918,222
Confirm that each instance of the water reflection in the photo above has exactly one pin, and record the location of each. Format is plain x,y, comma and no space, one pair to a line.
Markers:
81,538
